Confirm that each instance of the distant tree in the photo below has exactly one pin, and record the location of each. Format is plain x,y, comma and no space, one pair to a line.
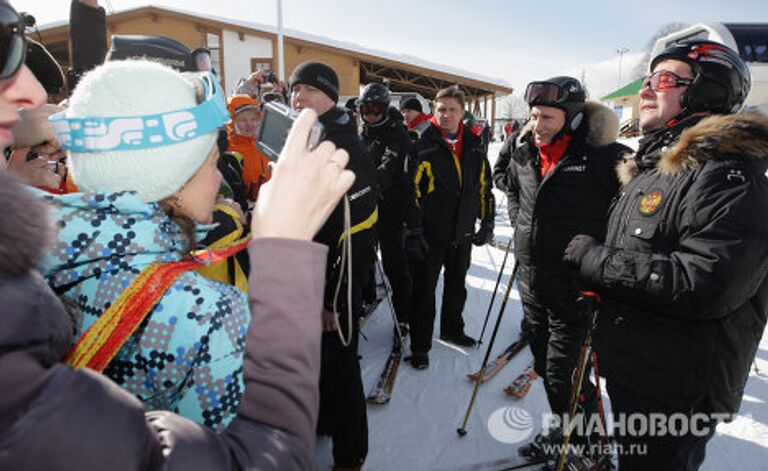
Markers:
513,107
642,66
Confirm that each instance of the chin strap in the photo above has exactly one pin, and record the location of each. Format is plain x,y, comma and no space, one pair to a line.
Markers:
678,117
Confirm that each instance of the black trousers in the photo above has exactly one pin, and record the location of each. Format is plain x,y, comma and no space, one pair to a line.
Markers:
455,258
667,452
556,328
342,402
393,257
343,410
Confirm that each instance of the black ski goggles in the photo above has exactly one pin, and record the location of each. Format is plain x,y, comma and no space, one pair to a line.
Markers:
545,94
372,108
13,44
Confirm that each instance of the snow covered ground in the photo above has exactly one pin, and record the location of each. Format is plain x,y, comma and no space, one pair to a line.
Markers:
417,429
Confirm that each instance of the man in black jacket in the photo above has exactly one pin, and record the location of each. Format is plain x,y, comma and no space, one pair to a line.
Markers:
388,143
501,166
342,401
561,181
684,267
453,190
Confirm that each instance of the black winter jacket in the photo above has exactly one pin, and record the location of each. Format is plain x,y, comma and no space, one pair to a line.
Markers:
684,269
572,199
389,146
341,129
450,201
501,166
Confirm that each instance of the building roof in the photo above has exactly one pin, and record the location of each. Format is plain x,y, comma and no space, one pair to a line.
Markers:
497,83
632,88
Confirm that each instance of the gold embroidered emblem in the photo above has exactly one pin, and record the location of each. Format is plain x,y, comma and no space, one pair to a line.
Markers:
650,203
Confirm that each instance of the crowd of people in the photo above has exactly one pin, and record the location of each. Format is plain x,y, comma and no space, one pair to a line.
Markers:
173,279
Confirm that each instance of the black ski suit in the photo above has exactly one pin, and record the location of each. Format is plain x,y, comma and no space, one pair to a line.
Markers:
342,401
452,194
684,275
573,198
389,145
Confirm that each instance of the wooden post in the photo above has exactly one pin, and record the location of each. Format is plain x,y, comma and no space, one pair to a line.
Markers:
493,112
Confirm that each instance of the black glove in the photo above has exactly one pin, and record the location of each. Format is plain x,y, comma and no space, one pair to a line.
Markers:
577,248
483,235
415,244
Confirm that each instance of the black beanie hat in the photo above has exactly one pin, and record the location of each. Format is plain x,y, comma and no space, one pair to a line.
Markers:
317,75
411,104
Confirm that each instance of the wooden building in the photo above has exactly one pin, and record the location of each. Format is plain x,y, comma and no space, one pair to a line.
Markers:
239,48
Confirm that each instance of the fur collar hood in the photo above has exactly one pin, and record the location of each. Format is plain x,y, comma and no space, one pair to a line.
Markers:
717,137
600,128
26,231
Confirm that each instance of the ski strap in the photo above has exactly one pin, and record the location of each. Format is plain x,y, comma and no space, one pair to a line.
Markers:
101,342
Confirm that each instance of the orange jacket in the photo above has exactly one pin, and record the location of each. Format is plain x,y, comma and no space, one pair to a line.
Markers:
255,169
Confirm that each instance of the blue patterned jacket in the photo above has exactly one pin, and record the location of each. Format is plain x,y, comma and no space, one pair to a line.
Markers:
187,356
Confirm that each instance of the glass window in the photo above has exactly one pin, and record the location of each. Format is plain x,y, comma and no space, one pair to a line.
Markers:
212,39
752,41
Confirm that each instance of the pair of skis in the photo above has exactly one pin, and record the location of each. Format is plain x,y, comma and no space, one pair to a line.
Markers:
382,393
520,386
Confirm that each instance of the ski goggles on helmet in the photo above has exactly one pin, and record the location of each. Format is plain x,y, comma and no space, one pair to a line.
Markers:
13,44
545,94
664,80
97,134
372,108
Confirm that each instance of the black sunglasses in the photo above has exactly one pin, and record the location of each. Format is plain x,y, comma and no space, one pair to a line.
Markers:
13,44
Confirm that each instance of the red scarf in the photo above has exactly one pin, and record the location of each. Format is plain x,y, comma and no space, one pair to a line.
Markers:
550,154
456,145
418,119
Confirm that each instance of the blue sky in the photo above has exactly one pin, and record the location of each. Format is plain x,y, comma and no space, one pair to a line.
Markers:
515,41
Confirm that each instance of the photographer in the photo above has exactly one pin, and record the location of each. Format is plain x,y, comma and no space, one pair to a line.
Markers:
264,86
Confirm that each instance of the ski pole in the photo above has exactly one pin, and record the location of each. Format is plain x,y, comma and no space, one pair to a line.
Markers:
600,409
581,368
463,429
388,291
495,289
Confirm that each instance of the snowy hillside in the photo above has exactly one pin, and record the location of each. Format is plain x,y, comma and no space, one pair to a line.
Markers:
417,429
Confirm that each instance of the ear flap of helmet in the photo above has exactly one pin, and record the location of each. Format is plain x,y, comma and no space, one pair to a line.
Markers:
576,121
706,94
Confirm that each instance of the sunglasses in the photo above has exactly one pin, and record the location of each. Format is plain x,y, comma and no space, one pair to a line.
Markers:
372,108
13,44
665,80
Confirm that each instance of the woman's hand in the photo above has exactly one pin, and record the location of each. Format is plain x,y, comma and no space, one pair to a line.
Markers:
304,188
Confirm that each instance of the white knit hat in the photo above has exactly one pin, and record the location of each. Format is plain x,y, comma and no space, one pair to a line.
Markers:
134,88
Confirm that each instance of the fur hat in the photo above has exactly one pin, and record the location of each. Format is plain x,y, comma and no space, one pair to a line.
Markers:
135,88
317,75
26,230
